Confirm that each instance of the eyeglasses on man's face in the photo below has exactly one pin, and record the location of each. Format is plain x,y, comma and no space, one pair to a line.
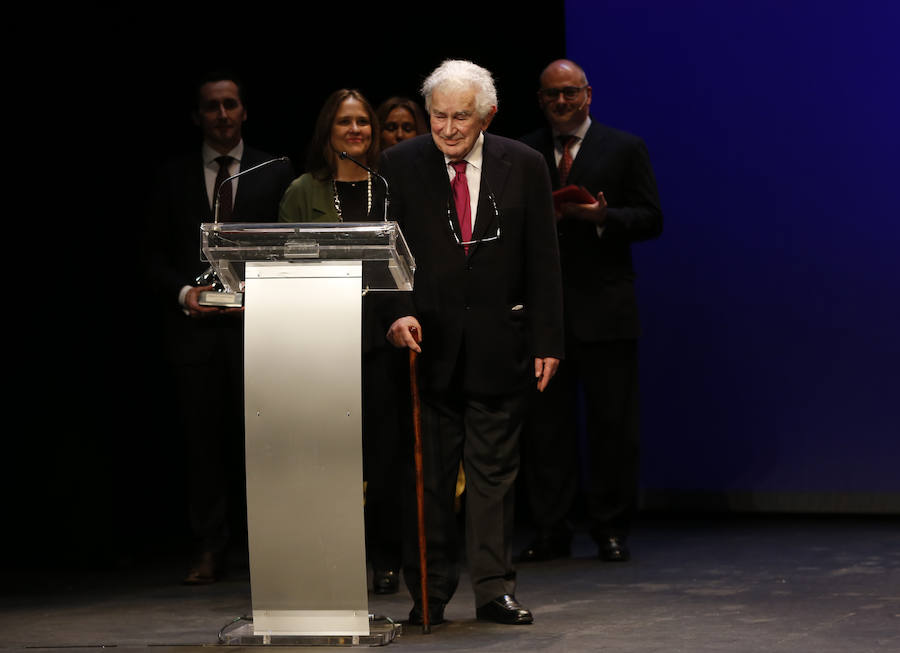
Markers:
568,92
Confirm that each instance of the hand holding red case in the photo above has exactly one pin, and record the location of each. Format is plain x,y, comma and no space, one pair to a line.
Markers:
573,194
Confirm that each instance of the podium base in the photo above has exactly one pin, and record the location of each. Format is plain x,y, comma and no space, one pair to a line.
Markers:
381,633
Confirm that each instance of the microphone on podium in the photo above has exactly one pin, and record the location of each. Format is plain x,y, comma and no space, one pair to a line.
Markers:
218,296
241,173
387,190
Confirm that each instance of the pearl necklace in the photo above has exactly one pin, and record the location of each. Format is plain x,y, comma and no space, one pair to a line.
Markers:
337,199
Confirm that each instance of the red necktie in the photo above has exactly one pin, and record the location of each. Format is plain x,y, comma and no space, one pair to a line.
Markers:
565,163
224,192
460,187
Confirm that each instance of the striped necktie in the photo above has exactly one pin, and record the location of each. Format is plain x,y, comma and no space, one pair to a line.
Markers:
565,163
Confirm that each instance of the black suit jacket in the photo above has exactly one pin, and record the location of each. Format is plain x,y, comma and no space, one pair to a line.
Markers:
598,274
178,205
489,313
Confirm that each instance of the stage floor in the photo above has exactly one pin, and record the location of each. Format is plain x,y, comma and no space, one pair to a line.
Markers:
724,584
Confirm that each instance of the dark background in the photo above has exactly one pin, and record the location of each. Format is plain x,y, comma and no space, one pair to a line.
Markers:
770,357
96,466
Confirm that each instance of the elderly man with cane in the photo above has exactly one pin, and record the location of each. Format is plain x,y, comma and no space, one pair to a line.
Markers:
485,320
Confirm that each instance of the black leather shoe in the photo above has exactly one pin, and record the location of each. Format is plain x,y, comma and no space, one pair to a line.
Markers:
385,582
505,610
546,548
614,549
435,613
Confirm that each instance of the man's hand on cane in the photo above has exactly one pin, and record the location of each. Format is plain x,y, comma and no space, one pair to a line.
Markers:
406,332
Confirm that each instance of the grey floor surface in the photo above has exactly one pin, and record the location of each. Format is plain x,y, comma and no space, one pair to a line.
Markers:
800,584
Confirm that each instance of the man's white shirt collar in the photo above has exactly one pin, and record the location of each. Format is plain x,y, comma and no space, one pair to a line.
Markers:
210,155
211,168
475,155
580,132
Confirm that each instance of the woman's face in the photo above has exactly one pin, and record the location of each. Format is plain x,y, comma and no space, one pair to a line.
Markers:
398,126
351,131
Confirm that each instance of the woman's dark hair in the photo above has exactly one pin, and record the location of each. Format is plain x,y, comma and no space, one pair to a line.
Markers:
321,161
385,108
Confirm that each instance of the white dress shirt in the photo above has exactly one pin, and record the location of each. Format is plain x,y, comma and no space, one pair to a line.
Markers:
475,161
211,169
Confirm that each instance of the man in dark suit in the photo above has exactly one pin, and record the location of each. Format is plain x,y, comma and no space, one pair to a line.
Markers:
204,343
601,323
476,211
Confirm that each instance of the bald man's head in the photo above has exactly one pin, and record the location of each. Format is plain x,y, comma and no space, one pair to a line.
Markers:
564,96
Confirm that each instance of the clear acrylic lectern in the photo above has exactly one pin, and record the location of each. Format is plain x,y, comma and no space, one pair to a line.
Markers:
302,286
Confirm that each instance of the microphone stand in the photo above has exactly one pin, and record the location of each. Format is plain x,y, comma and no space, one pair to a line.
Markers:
387,190
232,177
218,296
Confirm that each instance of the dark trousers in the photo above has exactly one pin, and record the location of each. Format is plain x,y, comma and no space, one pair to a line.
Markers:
608,374
484,433
387,448
211,397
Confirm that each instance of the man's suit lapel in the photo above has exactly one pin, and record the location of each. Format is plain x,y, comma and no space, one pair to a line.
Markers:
247,183
547,148
494,175
199,196
590,146
435,182
589,152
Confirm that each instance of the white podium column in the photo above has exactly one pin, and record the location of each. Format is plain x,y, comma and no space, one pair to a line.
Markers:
302,389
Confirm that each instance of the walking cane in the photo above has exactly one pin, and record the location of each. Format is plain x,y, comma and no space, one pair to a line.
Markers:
420,482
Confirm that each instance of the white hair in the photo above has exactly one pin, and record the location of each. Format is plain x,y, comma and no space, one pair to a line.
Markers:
460,74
